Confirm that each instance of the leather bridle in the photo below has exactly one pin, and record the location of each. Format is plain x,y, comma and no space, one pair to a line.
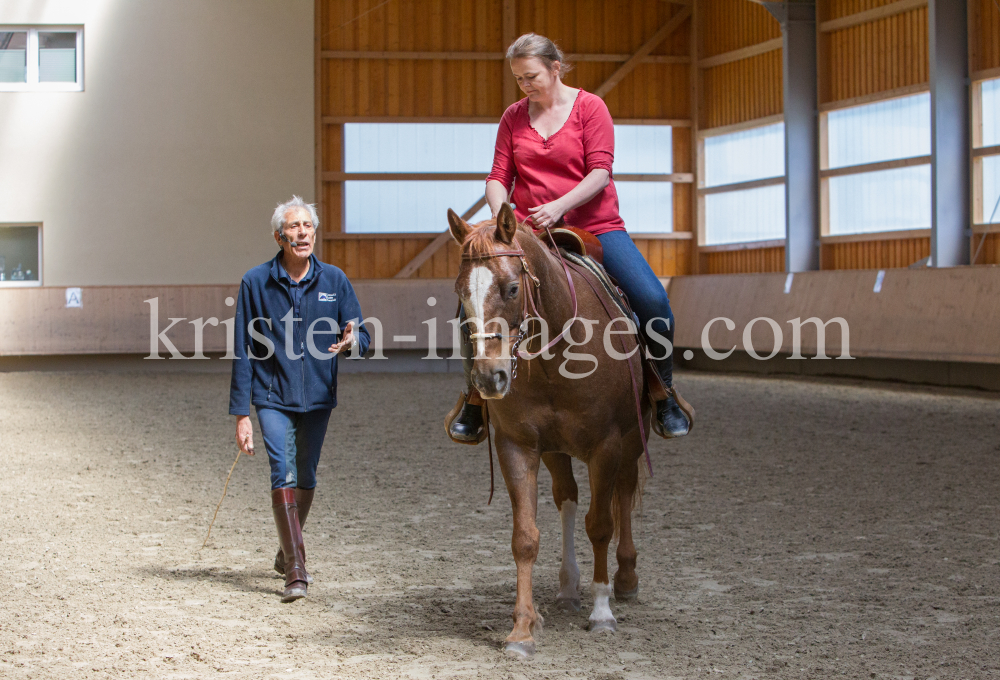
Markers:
528,303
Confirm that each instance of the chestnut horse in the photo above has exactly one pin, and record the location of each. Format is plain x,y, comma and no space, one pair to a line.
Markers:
545,411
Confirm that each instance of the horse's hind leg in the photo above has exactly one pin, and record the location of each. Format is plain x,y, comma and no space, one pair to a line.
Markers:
565,494
600,530
626,580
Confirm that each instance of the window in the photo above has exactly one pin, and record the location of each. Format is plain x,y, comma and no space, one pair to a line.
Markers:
20,260
743,192
403,177
986,152
646,206
876,173
427,168
41,58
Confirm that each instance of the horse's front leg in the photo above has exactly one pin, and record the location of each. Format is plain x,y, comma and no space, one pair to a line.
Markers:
565,493
520,472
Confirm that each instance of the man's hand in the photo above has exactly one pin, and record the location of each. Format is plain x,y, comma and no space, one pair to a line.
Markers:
244,434
346,341
546,215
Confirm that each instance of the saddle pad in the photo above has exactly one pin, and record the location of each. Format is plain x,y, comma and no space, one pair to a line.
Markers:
602,275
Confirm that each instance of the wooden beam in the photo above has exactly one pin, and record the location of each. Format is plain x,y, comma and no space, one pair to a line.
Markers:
747,245
338,120
875,167
330,176
661,34
405,176
986,151
877,236
676,177
986,74
662,236
493,56
740,127
509,35
742,186
876,97
427,253
870,15
742,53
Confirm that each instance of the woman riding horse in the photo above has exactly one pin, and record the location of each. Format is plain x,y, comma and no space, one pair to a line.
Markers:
558,144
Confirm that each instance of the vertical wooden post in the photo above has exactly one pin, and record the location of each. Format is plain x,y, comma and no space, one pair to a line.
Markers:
318,125
509,34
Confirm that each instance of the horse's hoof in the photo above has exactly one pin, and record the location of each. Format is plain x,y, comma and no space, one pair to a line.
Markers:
622,595
605,625
568,604
521,650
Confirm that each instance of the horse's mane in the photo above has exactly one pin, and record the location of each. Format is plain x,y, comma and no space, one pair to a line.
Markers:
481,239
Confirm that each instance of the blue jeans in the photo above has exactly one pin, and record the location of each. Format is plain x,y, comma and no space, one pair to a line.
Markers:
293,442
645,293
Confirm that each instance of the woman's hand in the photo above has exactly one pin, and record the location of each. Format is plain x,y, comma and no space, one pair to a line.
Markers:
346,341
244,434
547,215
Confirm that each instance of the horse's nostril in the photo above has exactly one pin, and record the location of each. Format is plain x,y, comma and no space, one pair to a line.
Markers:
500,380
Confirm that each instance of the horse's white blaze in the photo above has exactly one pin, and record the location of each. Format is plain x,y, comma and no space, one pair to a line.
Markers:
569,573
602,602
480,281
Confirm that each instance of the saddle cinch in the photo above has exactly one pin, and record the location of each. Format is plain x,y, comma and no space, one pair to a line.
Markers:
583,249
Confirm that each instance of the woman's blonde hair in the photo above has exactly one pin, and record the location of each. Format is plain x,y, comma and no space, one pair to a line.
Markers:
540,47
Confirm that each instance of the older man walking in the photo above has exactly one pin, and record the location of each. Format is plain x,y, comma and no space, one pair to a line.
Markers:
285,306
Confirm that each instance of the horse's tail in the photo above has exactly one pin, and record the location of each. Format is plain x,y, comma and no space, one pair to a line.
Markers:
637,482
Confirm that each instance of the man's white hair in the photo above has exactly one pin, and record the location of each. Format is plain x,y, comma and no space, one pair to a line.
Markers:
278,218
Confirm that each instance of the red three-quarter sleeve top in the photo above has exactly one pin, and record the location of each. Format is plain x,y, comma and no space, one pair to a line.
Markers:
543,170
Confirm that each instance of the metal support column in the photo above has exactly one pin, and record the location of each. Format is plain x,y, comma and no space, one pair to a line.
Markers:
798,29
949,58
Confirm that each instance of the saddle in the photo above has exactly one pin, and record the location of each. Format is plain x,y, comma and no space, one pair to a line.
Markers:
584,250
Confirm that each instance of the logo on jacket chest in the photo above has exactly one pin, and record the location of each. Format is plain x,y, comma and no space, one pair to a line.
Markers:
327,297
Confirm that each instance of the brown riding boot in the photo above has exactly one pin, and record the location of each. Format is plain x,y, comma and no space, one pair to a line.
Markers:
303,499
286,518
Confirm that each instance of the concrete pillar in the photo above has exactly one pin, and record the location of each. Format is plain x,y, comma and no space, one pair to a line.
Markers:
949,60
798,29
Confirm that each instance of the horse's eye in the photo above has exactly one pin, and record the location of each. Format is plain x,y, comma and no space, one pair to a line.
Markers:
512,292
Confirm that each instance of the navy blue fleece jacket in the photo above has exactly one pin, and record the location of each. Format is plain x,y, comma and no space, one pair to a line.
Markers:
276,365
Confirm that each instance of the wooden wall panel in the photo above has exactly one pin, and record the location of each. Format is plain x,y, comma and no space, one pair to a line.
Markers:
729,25
989,250
742,90
889,254
873,57
474,88
747,261
984,35
667,257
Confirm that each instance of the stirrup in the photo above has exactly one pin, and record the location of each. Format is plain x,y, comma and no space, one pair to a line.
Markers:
453,414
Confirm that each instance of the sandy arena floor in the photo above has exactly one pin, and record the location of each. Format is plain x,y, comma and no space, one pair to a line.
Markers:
804,530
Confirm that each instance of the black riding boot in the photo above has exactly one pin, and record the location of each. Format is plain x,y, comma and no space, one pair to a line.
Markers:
468,424
670,419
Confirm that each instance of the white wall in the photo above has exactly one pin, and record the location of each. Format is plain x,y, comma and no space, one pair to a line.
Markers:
196,119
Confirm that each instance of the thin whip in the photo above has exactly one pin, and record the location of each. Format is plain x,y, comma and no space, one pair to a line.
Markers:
224,490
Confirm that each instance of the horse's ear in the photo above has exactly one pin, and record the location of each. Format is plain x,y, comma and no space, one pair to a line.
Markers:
458,227
506,224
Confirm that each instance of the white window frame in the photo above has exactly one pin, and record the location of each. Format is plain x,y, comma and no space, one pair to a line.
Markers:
343,177
32,84
825,172
704,191
7,283
980,212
